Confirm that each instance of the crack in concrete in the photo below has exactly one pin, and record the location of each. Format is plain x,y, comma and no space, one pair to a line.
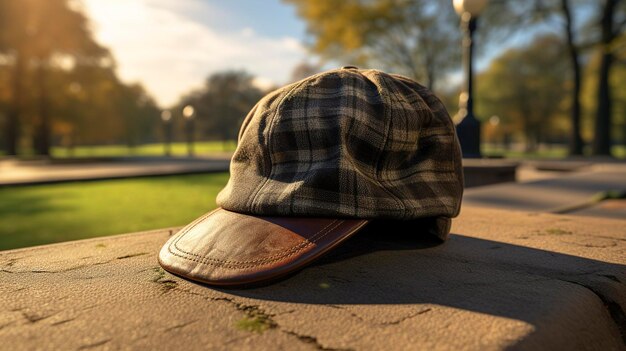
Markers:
32,317
95,344
44,271
13,260
313,341
347,310
6,325
63,321
256,311
133,255
165,284
384,323
413,315
179,326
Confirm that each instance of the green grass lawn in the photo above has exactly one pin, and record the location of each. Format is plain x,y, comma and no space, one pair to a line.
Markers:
157,149
43,214
212,147
555,152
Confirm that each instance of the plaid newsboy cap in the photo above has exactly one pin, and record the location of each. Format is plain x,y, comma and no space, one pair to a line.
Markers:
315,162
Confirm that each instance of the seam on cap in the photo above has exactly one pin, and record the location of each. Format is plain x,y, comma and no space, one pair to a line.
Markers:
269,145
294,184
422,127
376,177
401,206
394,96
251,263
458,160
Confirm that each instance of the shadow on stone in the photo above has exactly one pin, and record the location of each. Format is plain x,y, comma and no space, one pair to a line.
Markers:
382,266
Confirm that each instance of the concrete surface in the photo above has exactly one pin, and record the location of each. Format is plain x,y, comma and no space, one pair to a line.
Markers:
563,194
504,280
14,172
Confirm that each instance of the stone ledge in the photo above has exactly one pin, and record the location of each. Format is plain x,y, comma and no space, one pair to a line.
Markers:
504,280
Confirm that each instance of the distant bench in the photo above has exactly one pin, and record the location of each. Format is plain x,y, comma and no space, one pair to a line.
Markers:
479,172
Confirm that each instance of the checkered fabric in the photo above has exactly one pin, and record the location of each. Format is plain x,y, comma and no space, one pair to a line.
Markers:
347,143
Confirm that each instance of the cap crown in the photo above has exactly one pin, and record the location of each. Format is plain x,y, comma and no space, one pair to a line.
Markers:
347,143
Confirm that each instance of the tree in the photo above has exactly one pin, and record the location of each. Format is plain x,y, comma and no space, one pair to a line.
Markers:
61,86
526,87
417,38
304,70
601,28
41,36
518,15
575,140
222,103
612,21
94,107
617,81
13,39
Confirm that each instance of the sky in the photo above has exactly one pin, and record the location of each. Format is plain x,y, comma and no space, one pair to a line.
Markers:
171,46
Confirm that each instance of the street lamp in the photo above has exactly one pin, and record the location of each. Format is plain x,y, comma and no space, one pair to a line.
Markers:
468,128
166,117
188,113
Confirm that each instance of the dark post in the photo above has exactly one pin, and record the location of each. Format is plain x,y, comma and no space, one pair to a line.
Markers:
188,114
468,129
189,125
166,116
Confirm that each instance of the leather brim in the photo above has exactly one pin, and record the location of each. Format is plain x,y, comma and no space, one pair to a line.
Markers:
226,248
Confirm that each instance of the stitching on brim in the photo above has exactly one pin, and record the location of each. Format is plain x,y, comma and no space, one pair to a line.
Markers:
251,263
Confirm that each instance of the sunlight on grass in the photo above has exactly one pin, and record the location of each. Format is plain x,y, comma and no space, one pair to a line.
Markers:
213,147
42,214
158,149
554,152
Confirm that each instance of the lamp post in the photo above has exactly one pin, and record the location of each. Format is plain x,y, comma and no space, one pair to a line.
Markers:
188,113
166,117
468,128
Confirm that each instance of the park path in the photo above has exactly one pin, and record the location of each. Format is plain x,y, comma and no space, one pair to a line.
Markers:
578,193
13,172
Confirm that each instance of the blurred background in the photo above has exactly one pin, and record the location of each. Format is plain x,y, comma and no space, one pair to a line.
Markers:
100,89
